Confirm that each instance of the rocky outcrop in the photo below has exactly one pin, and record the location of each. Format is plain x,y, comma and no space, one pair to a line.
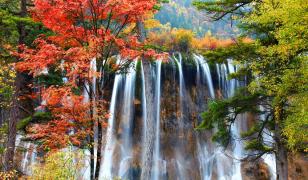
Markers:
256,170
298,165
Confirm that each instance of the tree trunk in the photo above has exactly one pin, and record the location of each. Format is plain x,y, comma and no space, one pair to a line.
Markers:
15,115
21,26
281,156
92,157
99,149
281,150
148,145
10,146
92,139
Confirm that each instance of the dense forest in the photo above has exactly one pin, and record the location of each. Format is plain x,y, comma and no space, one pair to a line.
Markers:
182,14
153,89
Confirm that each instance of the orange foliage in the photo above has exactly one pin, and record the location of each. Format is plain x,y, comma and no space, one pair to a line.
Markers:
82,30
185,40
71,119
211,43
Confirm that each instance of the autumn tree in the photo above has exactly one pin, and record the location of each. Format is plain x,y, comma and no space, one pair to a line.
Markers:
83,32
276,64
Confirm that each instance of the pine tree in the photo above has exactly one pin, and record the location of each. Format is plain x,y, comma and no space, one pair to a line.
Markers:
276,64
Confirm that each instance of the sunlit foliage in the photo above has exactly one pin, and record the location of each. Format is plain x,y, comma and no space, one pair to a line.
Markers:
61,165
8,175
7,77
172,39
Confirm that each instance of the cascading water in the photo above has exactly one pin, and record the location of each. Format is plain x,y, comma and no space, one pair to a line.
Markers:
26,159
144,111
127,120
106,164
235,130
206,161
29,155
206,73
216,156
157,158
177,153
206,158
182,95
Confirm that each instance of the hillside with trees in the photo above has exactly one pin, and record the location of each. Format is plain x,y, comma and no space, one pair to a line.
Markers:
182,14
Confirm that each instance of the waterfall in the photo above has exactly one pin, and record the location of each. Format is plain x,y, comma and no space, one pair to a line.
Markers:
26,158
232,82
219,75
169,134
106,164
206,161
127,120
182,95
205,157
206,73
144,112
235,129
156,171
181,77
222,161
269,159
208,157
181,90
29,154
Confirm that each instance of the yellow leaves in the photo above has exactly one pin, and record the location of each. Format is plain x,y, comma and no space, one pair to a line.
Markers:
60,165
7,77
288,21
295,126
8,175
182,33
129,28
7,46
152,24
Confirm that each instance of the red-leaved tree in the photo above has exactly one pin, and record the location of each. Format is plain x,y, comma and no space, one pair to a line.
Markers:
82,31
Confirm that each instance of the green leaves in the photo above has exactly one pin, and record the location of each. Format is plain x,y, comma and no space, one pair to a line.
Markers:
257,145
219,9
222,113
296,124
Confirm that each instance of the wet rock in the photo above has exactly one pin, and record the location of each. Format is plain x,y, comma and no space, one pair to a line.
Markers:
298,165
133,173
256,170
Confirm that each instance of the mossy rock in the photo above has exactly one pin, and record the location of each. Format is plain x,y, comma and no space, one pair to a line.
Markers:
38,117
